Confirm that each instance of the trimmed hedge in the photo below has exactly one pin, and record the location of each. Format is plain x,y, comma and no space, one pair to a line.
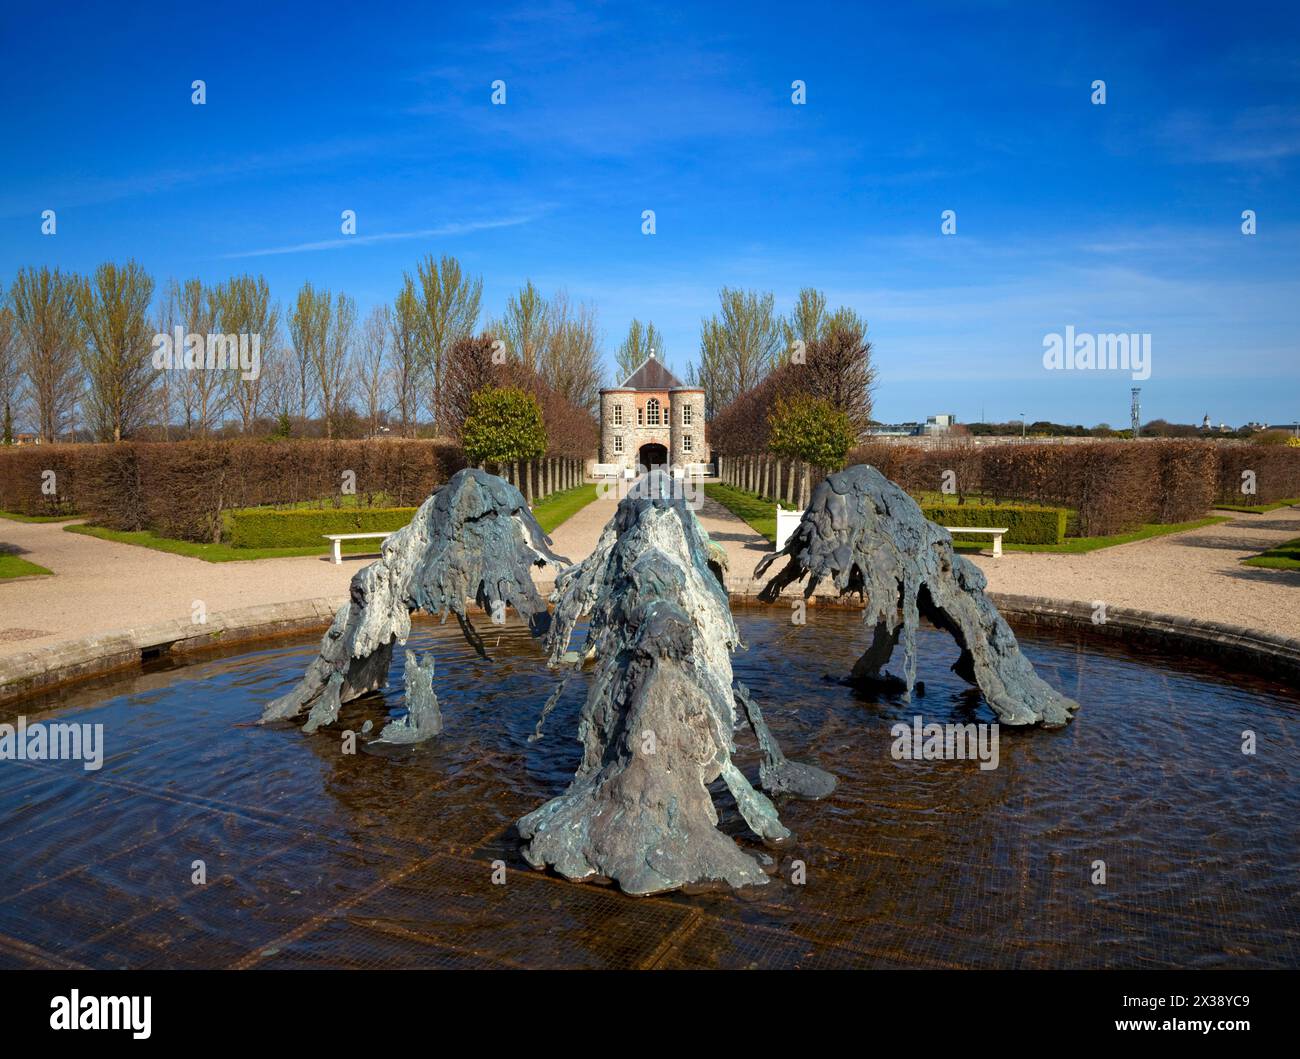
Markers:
1115,486
183,489
1026,524
304,527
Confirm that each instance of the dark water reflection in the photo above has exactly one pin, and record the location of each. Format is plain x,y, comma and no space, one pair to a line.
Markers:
316,858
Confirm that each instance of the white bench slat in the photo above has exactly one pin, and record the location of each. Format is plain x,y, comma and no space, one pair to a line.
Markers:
339,538
996,531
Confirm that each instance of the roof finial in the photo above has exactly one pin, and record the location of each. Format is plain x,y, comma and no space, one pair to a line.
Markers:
652,352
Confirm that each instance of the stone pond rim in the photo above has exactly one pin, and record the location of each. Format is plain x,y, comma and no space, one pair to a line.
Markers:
29,674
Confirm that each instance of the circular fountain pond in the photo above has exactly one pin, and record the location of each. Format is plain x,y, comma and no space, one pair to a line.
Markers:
1139,835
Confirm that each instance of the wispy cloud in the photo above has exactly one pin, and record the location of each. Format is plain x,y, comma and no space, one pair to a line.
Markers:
445,230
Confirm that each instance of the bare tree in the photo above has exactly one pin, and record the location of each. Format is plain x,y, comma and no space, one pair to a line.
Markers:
372,363
470,368
839,369
637,346
308,326
451,309
526,326
807,321
207,396
570,363
331,357
113,308
49,332
10,371
739,347
245,309
280,389
406,358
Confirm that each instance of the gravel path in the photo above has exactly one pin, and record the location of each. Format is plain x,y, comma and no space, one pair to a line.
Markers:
101,587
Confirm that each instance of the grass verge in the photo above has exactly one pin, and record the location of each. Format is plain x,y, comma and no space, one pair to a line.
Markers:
1258,509
560,507
215,553
550,513
1285,556
17,566
14,516
760,514
1080,545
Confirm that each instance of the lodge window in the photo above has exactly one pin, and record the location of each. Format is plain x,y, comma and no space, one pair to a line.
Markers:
686,443
618,443
618,415
686,415
652,412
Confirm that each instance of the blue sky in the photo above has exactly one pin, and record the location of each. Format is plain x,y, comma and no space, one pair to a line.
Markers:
1122,217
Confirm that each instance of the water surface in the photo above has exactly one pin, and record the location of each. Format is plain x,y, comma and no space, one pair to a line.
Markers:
315,858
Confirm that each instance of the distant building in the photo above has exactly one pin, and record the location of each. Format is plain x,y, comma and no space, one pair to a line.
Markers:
935,424
893,430
652,420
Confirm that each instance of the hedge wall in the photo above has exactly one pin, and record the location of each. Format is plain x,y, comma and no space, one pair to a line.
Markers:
183,489
303,528
1025,524
1114,486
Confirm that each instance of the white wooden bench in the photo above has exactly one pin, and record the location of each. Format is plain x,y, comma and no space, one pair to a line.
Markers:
995,531
606,470
786,523
339,538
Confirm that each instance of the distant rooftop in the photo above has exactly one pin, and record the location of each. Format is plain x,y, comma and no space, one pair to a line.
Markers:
651,375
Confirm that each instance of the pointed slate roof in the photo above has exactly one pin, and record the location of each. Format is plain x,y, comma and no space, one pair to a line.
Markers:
652,375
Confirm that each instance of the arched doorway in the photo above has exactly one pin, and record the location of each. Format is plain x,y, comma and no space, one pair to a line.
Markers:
652,455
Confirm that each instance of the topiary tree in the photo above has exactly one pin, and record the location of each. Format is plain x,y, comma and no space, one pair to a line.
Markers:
504,426
812,431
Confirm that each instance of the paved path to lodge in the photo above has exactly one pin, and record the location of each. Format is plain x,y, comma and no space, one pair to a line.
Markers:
103,587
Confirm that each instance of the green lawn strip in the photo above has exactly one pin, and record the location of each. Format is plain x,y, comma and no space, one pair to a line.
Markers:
35,518
216,553
550,513
334,502
1258,509
16,566
760,514
1080,545
560,507
1285,556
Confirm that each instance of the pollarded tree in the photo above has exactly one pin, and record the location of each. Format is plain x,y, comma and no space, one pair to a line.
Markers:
504,426
811,430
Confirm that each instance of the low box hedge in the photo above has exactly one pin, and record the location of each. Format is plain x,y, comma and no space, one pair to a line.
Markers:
304,527
1026,523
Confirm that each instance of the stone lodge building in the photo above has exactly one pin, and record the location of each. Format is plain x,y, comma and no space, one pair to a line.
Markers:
652,420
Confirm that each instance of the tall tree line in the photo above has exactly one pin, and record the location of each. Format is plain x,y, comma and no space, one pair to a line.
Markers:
78,355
